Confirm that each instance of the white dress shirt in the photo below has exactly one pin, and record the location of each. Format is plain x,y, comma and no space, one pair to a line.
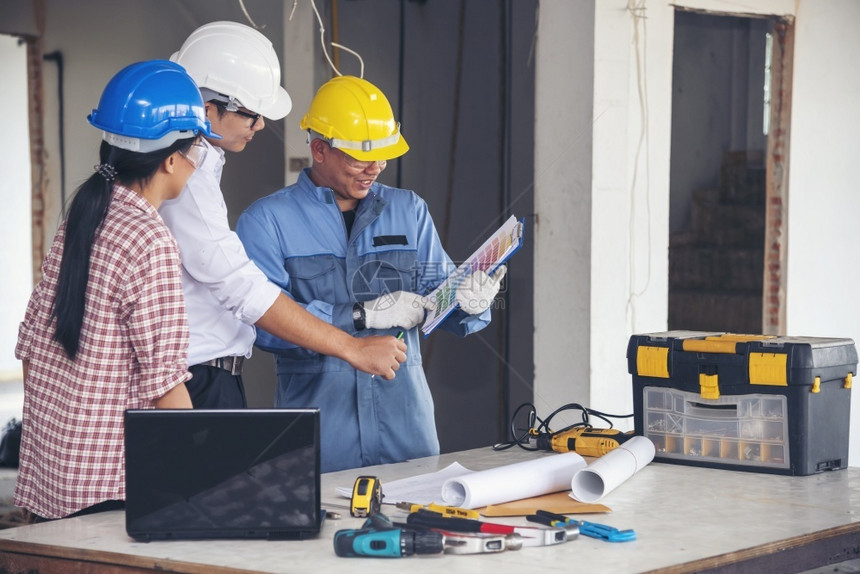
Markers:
225,292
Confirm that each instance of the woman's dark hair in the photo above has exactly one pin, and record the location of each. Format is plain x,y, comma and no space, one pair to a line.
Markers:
87,212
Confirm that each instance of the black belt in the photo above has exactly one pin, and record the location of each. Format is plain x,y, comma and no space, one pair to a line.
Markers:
232,364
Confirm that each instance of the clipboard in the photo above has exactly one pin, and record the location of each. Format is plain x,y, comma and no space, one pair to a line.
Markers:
497,249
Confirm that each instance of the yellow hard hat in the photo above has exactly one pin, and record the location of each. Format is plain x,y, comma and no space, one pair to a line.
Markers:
355,117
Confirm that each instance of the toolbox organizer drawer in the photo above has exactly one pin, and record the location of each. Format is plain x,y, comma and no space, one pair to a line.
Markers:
746,429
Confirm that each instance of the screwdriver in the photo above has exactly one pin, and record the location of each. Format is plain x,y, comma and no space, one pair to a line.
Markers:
432,519
443,510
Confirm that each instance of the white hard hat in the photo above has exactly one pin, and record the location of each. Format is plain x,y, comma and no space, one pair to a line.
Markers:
236,61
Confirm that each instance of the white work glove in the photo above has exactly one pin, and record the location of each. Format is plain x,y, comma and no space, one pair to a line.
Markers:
398,309
477,291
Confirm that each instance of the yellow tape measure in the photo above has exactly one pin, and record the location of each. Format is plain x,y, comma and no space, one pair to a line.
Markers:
366,497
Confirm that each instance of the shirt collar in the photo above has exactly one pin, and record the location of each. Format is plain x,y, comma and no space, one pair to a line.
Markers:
326,194
130,197
215,159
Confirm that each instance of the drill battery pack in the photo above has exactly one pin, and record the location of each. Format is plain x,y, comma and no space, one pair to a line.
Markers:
744,402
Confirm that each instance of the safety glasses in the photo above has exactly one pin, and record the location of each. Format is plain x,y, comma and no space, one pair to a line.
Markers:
195,154
359,166
250,115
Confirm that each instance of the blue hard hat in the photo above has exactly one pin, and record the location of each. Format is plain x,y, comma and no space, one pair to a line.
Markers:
149,105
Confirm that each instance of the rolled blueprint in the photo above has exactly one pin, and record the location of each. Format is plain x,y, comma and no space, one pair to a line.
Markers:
512,482
599,478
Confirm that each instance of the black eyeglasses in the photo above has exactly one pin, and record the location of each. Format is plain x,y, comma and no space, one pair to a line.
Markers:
251,116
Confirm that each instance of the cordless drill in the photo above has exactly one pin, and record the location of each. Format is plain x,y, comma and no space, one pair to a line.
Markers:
584,440
394,542
378,537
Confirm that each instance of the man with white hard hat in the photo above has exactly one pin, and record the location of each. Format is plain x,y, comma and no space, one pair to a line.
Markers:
226,295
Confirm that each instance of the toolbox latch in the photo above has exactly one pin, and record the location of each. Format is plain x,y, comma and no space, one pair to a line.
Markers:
709,386
653,362
768,369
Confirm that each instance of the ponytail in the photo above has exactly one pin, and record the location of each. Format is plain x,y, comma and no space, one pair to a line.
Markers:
87,213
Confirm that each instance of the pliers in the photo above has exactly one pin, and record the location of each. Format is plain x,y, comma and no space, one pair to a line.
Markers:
592,529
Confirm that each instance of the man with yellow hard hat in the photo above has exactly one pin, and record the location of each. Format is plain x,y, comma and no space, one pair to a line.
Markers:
362,256
226,295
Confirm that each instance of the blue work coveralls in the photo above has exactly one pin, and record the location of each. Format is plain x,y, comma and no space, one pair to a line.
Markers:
298,237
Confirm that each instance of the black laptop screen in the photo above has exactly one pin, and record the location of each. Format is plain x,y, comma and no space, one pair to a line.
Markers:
250,473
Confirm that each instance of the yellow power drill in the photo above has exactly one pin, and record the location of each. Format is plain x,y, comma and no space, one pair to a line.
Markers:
583,440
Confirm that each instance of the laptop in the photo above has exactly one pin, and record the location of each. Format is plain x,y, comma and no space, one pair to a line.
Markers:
245,473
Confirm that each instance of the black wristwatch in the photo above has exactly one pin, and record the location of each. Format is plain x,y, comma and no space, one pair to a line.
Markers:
359,317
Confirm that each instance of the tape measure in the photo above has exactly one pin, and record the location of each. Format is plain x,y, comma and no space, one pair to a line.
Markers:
366,497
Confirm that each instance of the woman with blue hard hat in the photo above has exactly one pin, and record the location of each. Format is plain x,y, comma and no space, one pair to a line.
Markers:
105,329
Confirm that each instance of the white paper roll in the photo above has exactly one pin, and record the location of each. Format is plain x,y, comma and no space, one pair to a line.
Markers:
599,478
512,482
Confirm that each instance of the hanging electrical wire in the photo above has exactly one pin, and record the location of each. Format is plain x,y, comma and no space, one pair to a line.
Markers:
335,44
248,16
638,11
275,128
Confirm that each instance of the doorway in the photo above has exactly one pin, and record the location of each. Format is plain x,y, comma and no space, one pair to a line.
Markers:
729,116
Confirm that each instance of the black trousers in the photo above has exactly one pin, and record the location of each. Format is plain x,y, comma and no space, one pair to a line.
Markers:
95,508
215,388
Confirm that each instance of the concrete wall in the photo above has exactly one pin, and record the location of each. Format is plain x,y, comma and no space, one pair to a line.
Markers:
628,240
601,247
15,245
823,242
565,120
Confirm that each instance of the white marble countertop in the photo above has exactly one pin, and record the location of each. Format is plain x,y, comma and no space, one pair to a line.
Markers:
680,513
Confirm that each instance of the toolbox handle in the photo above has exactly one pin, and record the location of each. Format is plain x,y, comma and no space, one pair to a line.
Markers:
727,410
725,343
706,346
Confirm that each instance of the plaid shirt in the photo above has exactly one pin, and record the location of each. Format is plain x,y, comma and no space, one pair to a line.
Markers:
132,350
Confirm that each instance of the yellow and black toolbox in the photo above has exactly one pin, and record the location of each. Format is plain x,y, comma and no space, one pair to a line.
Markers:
744,402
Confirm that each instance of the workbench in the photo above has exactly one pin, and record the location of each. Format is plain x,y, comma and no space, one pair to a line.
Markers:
687,519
